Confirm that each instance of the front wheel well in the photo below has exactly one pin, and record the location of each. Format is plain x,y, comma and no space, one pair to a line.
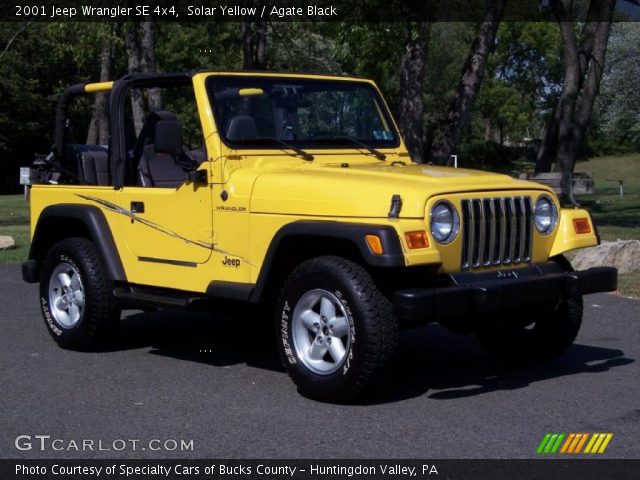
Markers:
296,249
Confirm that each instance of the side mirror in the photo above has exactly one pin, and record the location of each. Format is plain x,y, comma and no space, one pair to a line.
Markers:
198,177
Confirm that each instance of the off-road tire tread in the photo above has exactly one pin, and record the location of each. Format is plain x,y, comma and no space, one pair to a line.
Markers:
378,312
101,313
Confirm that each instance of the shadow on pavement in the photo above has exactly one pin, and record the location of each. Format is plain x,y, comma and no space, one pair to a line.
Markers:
431,360
446,366
219,341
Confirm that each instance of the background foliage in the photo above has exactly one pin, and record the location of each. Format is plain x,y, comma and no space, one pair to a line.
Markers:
521,85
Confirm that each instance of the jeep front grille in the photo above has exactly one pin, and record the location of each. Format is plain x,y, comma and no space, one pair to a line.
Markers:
496,231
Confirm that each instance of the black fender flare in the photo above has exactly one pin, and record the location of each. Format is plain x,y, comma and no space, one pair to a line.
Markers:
96,225
355,233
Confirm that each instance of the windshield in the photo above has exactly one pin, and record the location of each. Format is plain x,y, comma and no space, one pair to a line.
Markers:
255,112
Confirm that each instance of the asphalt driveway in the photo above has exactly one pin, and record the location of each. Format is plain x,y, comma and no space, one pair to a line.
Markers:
215,383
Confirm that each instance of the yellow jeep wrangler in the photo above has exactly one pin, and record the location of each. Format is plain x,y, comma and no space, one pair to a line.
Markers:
296,192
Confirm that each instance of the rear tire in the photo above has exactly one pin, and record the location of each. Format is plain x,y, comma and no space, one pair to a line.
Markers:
336,332
76,296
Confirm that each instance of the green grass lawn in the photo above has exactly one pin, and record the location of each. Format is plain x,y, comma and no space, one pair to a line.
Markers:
606,205
617,217
14,221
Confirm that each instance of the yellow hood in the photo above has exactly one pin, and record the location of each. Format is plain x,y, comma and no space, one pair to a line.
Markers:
365,190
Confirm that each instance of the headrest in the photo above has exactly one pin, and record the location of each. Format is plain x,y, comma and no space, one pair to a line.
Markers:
148,129
147,134
242,127
168,137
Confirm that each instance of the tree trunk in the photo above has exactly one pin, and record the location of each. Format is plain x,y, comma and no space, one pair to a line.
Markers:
254,43
549,147
487,129
134,66
584,63
148,62
469,85
141,59
99,127
411,89
247,48
260,61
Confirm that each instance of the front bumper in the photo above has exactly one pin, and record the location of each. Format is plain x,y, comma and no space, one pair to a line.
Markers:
31,271
473,293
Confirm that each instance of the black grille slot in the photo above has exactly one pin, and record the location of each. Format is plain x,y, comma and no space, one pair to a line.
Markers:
496,231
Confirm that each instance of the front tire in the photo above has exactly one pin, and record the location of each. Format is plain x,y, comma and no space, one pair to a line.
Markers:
76,296
336,331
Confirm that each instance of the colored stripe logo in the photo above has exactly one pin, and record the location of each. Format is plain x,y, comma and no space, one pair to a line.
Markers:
574,443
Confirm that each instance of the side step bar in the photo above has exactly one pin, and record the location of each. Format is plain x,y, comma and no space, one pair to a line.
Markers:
136,296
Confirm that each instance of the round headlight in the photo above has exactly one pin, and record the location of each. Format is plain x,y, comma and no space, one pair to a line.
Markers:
445,222
546,215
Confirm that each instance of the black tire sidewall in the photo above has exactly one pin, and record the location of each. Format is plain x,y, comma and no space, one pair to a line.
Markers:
337,384
93,313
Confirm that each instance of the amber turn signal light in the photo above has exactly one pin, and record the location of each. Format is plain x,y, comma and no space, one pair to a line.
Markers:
375,245
417,239
581,225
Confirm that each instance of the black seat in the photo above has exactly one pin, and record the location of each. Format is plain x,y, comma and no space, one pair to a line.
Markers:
95,167
102,168
146,137
147,133
90,163
242,127
162,162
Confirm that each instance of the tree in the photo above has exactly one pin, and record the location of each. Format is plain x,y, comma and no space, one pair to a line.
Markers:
254,42
142,58
99,127
583,69
411,87
212,45
37,65
448,51
306,47
14,36
522,78
619,100
373,50
469,84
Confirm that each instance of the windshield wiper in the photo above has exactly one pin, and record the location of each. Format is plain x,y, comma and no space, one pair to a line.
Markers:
305,155
377,153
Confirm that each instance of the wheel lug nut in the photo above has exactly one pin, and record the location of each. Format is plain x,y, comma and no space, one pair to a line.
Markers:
319,340
316,326
329,340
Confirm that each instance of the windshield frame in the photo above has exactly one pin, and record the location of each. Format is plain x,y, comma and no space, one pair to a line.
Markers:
330,144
